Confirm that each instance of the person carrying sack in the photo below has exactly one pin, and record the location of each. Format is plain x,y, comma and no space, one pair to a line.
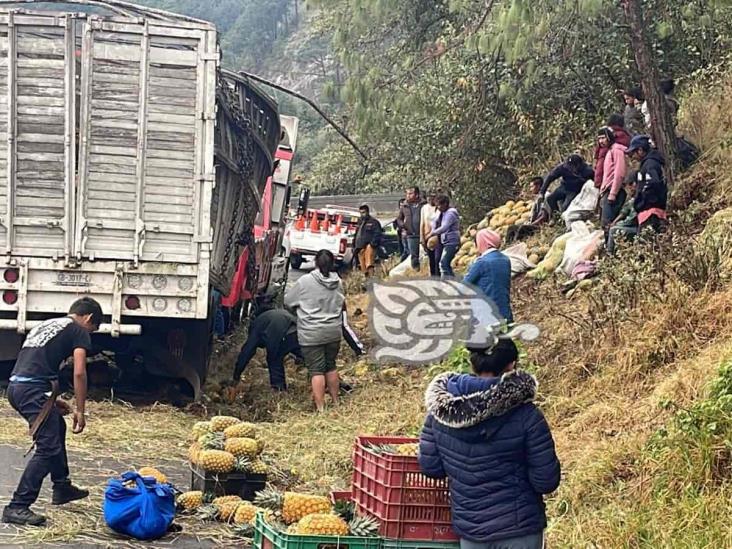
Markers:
32,392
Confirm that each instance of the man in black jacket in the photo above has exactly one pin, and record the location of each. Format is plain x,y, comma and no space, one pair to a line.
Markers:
276,331
574,173
651,190
409,221
367,240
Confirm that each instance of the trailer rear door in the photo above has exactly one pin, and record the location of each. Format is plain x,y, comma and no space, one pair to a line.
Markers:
146,93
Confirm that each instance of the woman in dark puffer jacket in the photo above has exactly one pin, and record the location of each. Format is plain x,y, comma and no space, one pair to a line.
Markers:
484,433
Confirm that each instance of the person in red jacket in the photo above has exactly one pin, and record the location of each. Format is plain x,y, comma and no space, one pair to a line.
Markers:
616,123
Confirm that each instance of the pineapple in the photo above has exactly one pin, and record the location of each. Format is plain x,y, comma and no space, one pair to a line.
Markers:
245,513
194,452
226,507
248,465
241,447
408,449
152,472
364,527
220,423
200,428
293,506
225,499
212,441
241,430
216,461
322,524
189,501
227,511
257,467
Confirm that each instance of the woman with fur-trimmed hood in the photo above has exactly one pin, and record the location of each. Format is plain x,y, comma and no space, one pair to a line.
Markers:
484,433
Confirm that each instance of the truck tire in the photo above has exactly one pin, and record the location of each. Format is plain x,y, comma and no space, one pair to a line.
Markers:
296,261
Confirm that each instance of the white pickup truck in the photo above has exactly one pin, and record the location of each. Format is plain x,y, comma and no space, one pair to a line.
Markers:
329,228
133,167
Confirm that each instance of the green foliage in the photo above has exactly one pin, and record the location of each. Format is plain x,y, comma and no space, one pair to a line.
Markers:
698,441
457,361
250,30
448,93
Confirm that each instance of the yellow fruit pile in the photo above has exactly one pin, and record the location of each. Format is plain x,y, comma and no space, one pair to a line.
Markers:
322,524
511,213
221,443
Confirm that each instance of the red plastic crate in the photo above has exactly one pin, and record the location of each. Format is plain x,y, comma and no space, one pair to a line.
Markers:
393,489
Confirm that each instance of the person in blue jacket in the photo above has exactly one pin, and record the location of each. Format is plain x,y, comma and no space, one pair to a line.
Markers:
492,272
484,433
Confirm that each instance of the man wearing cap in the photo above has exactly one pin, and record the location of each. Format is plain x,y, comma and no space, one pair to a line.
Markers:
574,173
651,190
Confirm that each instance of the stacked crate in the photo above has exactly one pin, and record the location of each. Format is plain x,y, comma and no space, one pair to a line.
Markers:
414,510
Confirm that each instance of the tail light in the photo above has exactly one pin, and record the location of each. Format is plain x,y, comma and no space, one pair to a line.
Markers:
132,302
10,297
11,275
343,246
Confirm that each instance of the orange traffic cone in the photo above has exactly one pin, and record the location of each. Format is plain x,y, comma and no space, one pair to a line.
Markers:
300,223
314,223
339,220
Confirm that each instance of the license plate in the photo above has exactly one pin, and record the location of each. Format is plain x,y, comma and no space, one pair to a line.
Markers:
73,279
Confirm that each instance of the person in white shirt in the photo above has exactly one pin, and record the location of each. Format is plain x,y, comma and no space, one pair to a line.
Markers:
429,213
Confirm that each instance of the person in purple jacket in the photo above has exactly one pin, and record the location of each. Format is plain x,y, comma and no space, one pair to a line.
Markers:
447,226
484,433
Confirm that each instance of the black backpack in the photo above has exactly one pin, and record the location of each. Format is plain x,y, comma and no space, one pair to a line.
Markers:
688,153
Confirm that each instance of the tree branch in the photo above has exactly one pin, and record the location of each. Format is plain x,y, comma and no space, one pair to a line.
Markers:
310,102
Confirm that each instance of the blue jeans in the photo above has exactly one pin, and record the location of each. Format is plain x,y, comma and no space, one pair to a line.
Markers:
608,211
619,231
448,254
414,246
532,541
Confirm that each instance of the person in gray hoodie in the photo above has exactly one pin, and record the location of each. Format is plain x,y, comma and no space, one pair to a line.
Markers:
318,300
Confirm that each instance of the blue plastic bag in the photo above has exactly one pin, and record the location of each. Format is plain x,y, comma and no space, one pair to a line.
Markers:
144,512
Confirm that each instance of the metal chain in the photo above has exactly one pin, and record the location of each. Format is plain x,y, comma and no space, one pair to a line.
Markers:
243,217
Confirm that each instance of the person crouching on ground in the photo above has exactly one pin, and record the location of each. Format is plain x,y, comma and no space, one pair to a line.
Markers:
318,300
484,433
276,331
367,240
492,272
32,393
651,191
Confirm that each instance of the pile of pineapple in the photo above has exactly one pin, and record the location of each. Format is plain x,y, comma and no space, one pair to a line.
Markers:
225,444
230,509
303,514
511,213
